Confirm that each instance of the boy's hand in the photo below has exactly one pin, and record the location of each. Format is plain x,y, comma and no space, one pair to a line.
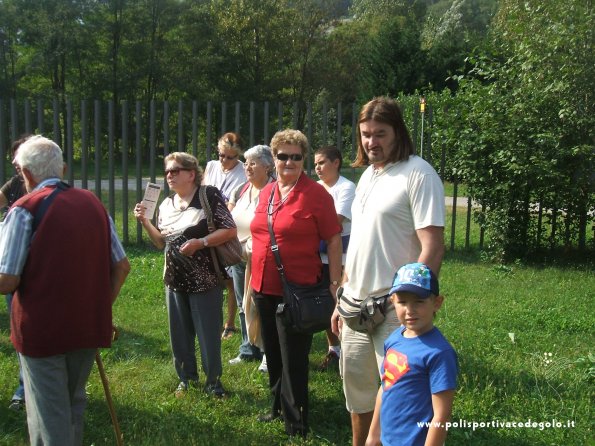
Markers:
372,440
375,428
442,408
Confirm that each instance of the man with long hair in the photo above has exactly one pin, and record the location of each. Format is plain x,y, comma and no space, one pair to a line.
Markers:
398,217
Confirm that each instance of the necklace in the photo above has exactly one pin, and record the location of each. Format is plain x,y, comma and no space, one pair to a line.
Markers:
184,202
275,206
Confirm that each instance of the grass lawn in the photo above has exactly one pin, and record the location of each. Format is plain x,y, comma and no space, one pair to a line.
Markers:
523,333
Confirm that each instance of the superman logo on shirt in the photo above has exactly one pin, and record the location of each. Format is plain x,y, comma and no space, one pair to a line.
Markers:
395,366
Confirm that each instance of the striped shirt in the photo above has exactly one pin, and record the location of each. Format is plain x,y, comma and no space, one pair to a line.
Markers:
16,235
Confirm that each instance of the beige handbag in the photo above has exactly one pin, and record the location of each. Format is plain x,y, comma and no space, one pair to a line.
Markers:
250,311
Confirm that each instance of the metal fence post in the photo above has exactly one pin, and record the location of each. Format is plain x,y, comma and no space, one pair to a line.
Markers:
110,158
97,149
124,150
138,151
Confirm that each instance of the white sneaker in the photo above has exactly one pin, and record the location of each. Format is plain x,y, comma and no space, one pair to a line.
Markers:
237,360
263,365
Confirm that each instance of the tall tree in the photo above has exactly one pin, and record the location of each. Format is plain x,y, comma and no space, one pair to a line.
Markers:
253,47
451,30
8,48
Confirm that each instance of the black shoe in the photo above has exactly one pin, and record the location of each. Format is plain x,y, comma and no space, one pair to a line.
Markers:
17,405
297,432
215,390
268,417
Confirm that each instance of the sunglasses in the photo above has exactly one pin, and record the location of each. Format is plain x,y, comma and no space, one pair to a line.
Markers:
287,156
223,155
175,170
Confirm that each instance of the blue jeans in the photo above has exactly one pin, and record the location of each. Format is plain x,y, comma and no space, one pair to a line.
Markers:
191,316
247,351
19,393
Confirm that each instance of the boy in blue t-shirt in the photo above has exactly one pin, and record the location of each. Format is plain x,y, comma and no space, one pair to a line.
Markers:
419,372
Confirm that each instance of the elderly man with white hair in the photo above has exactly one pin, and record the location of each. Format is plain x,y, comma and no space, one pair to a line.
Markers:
60,255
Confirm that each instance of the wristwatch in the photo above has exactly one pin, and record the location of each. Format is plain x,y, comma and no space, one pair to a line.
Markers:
205,242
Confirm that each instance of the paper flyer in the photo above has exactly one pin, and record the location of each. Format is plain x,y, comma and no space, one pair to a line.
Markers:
150,199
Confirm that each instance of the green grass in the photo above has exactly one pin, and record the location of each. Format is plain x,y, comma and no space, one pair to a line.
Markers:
547,308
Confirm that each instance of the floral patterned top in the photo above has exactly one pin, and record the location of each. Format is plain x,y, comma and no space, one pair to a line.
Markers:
195,274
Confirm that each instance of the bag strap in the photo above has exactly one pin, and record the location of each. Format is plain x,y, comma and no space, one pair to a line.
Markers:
45,204
202,195
274,246
204,202
245,187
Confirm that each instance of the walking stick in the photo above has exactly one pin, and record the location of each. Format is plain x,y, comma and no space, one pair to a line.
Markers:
108,395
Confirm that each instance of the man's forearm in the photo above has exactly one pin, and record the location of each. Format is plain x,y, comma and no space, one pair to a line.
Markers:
119,273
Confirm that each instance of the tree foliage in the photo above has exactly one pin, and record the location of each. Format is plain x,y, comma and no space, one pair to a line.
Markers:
521,126
291,50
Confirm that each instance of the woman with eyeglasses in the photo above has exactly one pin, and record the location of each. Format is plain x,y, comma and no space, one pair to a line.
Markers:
192,289
302,214
226,174
260,169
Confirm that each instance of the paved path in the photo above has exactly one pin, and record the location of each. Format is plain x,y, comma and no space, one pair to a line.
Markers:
118,183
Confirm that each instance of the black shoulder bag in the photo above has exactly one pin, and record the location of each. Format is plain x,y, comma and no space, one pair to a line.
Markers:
305,309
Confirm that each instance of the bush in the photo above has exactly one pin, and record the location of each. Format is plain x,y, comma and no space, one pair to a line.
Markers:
520,128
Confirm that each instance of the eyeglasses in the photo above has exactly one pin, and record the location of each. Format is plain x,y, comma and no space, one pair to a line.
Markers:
175,170
287,156
223,155
251,164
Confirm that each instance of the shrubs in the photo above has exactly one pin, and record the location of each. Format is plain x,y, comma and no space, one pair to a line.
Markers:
519,131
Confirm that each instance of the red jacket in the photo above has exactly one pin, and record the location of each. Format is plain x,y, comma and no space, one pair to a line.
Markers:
307,217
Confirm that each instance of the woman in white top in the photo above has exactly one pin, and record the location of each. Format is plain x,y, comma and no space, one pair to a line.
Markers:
226,174
327,163
259,167
193,293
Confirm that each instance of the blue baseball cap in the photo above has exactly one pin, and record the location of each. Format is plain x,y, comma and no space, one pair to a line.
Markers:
417,278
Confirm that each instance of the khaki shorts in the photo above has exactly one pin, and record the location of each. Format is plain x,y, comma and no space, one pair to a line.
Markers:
361,357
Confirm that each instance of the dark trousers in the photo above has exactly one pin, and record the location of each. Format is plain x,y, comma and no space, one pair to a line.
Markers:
287,362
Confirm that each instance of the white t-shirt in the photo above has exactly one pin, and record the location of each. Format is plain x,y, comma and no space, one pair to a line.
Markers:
343,193
389,206
226,182
243,211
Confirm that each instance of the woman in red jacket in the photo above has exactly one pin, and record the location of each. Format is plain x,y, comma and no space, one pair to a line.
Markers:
303,214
